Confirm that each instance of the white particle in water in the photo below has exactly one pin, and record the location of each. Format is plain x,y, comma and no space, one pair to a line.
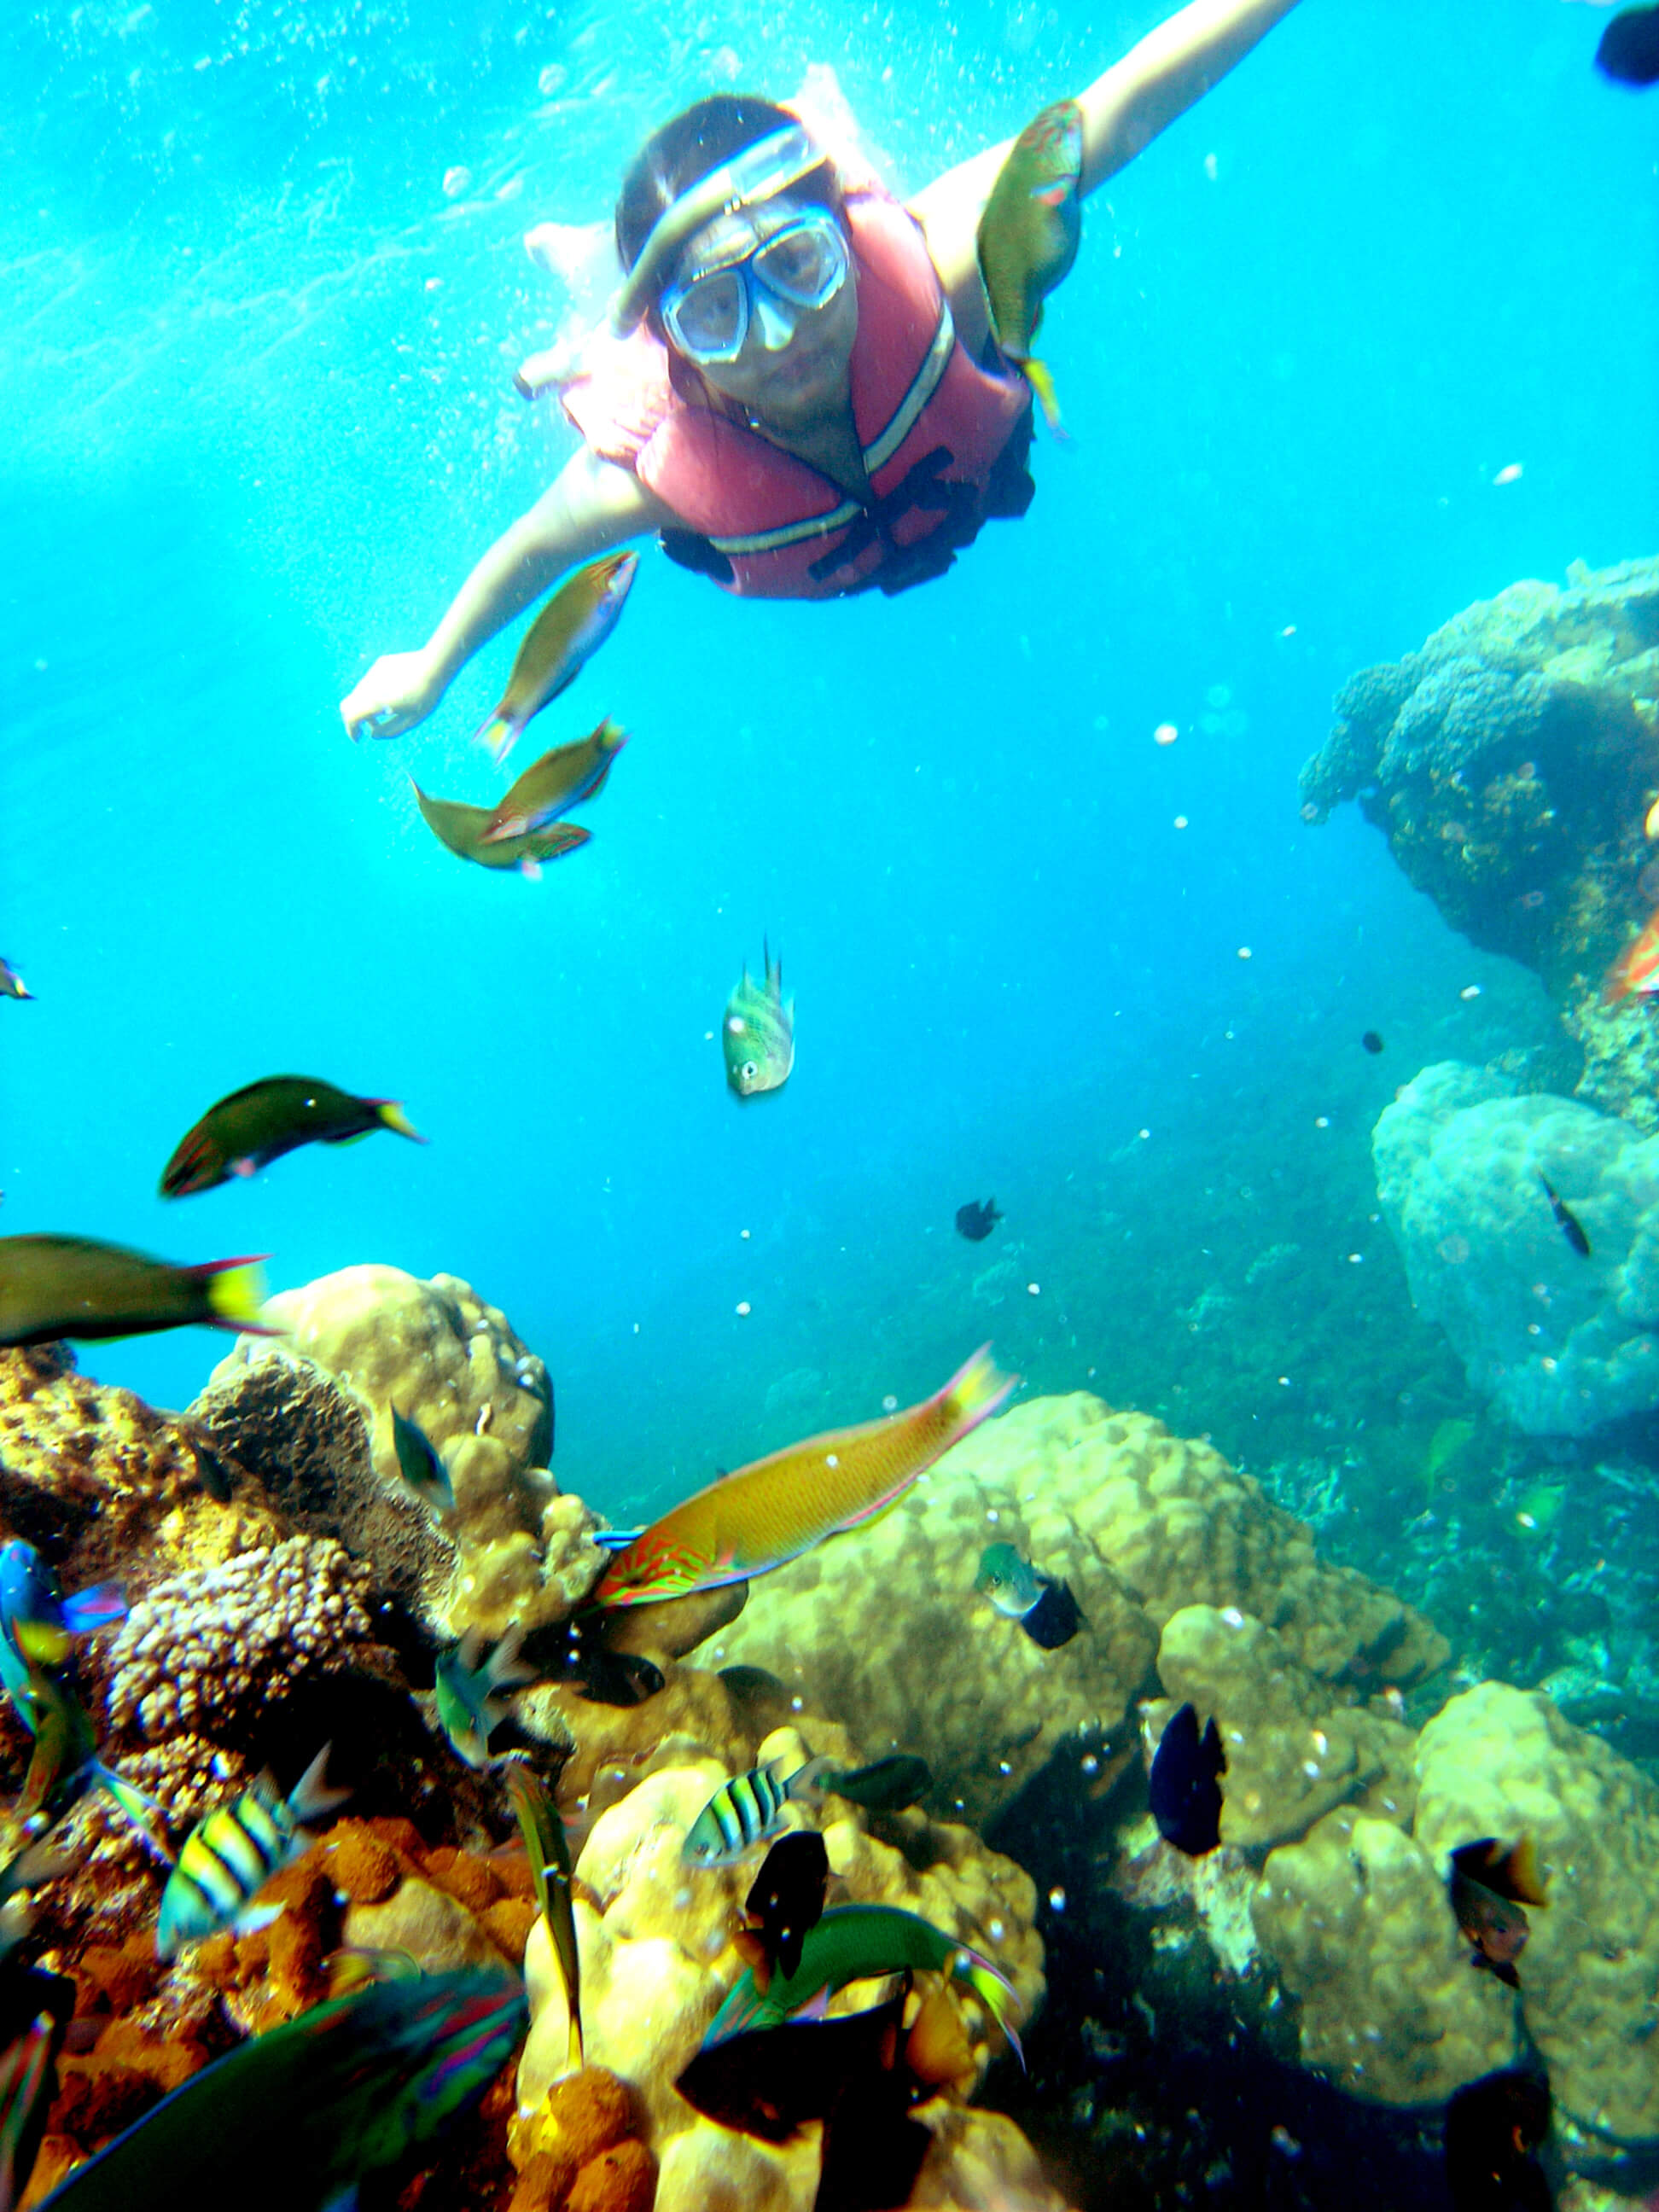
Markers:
1057,1900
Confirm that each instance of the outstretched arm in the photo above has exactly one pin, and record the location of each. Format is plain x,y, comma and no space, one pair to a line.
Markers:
591,506
1123,112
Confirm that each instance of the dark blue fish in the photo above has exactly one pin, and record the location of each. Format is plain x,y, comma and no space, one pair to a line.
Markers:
1494,2128
1566,1221
295,2117
1185,1784
1629,51
975,1222
786,1901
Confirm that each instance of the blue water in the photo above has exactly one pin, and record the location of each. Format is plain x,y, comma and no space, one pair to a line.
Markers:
259,426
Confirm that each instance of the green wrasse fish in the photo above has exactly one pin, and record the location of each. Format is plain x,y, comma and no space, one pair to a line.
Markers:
58,1286
746,1810
257,1124
758,1033
230,1855
558,781
467,1705
11,983
550,1869
857,1943
64,1764
1028,237
569,629
296,2116
768,1513
421,1467
462,829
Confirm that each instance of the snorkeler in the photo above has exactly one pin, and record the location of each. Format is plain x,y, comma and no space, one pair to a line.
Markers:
799,391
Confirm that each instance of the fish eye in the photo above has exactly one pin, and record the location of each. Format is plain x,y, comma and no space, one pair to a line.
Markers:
749,1071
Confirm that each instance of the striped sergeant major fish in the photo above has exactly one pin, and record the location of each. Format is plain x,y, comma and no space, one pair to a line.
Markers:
230,1855
748,1809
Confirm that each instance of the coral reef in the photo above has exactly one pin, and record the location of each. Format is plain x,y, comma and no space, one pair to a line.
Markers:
1511,762
210,1647
883,1629
657,1956
451,1362
1503,1762
1561,1341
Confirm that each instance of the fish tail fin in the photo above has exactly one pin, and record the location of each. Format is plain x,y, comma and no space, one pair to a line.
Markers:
1043,384
311,1795
975,1390
499,734
391,1115
503,1670
235,1292
103,1606
815,1780
142,1811
994,1991
574,2059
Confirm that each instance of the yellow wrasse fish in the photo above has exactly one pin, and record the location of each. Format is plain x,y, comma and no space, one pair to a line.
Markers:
550,1869
569,629
1028,237
558,781
768,1513
462,829
56,1286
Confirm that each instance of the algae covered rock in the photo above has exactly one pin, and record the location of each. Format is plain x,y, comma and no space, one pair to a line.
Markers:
1356,1918
883,1628
1560,1340
1510,764
1503,1762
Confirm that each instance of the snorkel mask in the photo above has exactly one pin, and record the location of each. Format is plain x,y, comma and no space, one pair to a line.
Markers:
758,173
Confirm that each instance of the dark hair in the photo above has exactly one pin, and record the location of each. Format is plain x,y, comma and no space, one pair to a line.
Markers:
692,144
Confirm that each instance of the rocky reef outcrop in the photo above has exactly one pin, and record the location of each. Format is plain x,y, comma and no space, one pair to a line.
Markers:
1511,762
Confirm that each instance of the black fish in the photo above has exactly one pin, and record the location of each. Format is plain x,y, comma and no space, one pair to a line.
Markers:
1185,1784
1371,1042
1494,2129
1567,1222
598,1674
975,1222
886,1785
786,1901
1629,51
1054,1618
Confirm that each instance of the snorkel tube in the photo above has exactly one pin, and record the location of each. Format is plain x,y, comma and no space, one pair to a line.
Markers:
760,173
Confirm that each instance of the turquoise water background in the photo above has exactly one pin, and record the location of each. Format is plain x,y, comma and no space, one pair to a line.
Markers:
259,425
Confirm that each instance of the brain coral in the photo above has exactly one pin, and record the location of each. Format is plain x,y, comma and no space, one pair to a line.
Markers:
882,1627
1560,1341
1510,764
206,1649
451,1362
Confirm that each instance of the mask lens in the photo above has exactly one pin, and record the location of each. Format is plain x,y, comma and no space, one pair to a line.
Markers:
804,264
708,319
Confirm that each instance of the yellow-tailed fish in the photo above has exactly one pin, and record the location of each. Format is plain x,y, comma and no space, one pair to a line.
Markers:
257,1124
550,1869
11,983
58,1286
461,828
757,1035
558,781
230,1855
569,629
768,1513
1028,237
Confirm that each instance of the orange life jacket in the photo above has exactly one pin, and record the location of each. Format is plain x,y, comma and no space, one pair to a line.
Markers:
945,441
